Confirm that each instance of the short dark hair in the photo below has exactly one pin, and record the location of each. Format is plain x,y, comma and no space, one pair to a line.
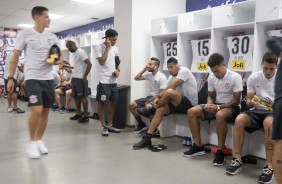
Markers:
215,59
270,58
172,60
38,10
110,33
157,61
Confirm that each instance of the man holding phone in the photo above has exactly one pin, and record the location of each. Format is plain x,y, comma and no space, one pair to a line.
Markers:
224,95
107,55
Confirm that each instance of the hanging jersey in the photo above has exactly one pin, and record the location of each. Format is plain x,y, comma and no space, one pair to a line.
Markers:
170,50
241,52
201,53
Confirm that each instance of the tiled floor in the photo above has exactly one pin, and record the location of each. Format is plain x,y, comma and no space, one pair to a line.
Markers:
78,154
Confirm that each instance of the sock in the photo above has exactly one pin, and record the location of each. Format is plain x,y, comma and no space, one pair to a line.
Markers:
139,120
148,135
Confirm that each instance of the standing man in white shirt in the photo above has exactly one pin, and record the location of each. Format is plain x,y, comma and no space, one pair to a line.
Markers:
260,88
12,97
79,82
179,96
107,54
36,42
157,83
224,95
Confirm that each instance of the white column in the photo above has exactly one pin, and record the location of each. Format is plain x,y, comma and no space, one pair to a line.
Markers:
132,19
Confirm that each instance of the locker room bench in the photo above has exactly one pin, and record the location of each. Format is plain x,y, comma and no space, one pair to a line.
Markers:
177,125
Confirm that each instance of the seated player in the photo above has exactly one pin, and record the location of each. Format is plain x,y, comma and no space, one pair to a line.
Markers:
260,97
12,97
179,95
157,83
224,95
65,87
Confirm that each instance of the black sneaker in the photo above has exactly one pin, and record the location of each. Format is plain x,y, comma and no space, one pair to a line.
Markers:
219,158
266,175
140,128
235,167
194,151
143,111
145,142
75,117
17,110
156,134
83,120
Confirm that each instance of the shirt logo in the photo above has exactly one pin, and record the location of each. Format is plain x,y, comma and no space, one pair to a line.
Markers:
227,85
202,66
239,64
50,41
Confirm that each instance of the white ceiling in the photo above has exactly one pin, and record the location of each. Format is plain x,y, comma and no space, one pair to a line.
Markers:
15,12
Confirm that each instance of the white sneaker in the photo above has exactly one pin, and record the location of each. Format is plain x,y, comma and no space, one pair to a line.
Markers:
32,150
10,109
41,147
105,131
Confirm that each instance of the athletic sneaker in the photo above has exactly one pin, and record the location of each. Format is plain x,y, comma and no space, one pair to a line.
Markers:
219,158
235,167
105,131
145,142
113,129
64,111
17,110
266,175
10,109
41,147
75,117
194,151
83,120
32,150
143,111
140,128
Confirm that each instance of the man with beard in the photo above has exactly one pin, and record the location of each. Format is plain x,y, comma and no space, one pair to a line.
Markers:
79,82
179,95
157,83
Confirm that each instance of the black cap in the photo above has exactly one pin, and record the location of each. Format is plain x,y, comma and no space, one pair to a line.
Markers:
110,33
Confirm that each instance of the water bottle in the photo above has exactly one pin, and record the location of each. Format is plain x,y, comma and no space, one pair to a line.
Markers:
188,141
184,140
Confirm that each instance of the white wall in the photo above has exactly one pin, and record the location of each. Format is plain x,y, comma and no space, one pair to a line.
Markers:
133,22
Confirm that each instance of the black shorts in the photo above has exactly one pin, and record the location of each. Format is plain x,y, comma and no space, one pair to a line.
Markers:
277,120
184,105
79,88
141,101
64,89
16,85
257,117
106,92
212,115
40,93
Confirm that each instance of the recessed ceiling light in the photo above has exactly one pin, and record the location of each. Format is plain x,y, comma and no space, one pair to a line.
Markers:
89,1
26,25
55,16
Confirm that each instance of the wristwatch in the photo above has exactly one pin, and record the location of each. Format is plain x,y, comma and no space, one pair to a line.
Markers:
11,78
218,108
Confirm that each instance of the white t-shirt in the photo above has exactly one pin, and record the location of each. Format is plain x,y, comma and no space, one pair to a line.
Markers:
79,65
55,77
189,87
261,86
65,74
106,70
226,86
36,46
7,67
157,82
